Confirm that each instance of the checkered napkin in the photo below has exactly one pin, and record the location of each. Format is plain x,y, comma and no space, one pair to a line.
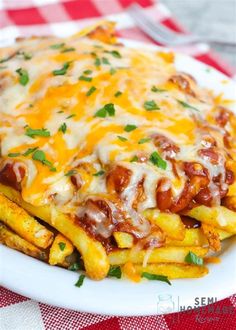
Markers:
63,18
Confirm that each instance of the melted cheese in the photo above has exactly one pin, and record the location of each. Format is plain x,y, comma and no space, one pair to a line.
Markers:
48,101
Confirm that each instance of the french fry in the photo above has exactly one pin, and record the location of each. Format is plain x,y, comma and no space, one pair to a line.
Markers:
218,216
123,240
174,271
23,224
163,254
213,236
196,237
93,253
10,239
60,249
171,224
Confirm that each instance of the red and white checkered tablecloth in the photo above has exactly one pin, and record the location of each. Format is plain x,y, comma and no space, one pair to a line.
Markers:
65,17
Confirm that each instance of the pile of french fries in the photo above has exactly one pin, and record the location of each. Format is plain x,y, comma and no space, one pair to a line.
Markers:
51,236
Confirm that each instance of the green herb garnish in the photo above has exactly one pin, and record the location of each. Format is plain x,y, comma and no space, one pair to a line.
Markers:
134,159
37,132
67,50
99,173
97,62
14,154
80,281
130,128
71,116
62,246
122,138
57,46
156,159
155,277
75,266
114,53
112,71
62,71
117,94
83,78
88,72
107,110
192,258
157,90
40,156
105,61
23,76
29,151
91,91
186,105
115,271
151,105
144,140
63,128
71,172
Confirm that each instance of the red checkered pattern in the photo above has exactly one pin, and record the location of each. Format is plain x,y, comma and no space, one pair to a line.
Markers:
44,17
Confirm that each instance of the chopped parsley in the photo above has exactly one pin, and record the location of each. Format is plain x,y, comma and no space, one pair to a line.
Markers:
99,173
57,46
156,159
157,90
97,62
114,53
29,151
115,271
3,60
26,56
62,246
84,78
63,128
112,71
144,140
134,159
71,116
23,76
75,266
91,91
67,50
151,105
186,105
71,172
14,154
80,281
192,258
105,61
130,128
62,71
40,156
37,132
88,72
122,138
155,277
107,110
118,93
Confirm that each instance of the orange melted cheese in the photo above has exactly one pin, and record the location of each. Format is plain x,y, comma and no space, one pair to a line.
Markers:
48,101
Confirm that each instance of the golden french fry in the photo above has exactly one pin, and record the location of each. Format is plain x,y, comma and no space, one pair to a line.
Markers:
93,253
123,240
218,216
10,239
60,249
163,254
23,224
170,224
196,237
173,271
213,236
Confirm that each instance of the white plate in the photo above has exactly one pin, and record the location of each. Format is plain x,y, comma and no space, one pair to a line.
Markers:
55,286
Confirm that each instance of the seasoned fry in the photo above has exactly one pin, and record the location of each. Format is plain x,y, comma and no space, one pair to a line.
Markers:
174,270
15,242
23,224
196,237
218,216
60,249
163,254
213,237
124,240
171,224
93,253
